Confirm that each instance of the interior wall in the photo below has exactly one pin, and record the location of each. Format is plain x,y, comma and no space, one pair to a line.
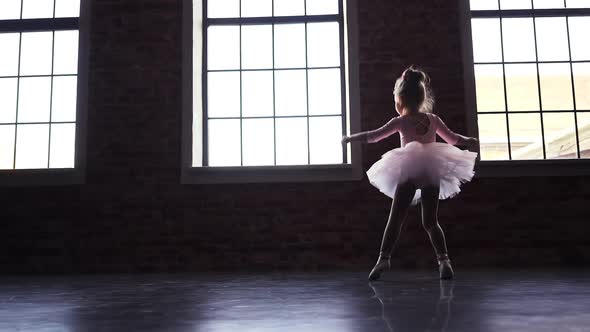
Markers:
132,214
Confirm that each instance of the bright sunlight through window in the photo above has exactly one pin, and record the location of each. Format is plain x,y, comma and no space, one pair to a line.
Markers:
38,83
532,75
274,81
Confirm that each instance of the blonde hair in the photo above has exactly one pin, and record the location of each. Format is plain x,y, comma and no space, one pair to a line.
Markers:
413,90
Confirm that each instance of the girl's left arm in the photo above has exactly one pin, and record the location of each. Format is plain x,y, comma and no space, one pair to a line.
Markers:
373,136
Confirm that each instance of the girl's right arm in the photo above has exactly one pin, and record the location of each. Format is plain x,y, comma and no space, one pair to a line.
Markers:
373,136
453,138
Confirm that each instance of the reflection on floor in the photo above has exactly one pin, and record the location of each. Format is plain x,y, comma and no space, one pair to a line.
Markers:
332,301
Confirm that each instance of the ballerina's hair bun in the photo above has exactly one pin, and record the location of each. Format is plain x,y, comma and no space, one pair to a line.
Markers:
413,90
412,74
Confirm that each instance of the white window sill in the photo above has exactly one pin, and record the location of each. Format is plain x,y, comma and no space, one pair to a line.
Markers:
522,168
266,174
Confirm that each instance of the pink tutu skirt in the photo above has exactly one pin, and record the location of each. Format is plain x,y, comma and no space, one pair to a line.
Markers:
424,165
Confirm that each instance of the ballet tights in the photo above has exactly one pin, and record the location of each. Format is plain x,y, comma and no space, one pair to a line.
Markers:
399,210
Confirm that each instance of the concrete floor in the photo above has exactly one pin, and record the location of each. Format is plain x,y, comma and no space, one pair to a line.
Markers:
404,301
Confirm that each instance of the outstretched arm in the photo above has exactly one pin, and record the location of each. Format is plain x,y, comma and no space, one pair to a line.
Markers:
470,142
362,136
373,136
453,138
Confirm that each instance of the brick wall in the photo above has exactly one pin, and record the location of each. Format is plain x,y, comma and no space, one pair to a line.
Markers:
133,215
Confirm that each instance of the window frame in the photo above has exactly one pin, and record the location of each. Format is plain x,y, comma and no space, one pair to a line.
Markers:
509,168
58,176
261,174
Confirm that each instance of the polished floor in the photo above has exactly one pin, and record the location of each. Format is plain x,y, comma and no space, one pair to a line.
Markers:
494,300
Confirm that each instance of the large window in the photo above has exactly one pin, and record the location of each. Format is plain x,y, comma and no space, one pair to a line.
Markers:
270,87
38,83
274,81
531,63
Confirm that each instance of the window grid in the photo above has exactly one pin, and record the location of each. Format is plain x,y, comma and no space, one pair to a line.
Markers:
502,14
505,89
273,21
342,75
20,26
258,69
306,86
50,123
241,92
571,66
20,42
204,70
539,88
50,93
274,106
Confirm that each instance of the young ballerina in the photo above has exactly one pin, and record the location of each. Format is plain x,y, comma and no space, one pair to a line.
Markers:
421,170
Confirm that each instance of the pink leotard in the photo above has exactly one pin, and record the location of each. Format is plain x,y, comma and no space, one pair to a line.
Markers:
409,132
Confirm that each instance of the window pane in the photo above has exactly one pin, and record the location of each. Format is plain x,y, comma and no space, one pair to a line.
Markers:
33,99
9,43
489,85
8,100
579,27
552,39
256,8
541,4
325,134
560,135
323,44
64,98
525,136
223,8
292,141
257,46
62,145
324,92
289,7
224,142
67,8
322,7
584,134
9,10
258,142
66,52
7,147
290,46
257,93
519,39
223,96
522,88
483,5
223,47
493,136
578,3
290,92
515,4
35,58
556,86
32,145
582,85
37,8
487,44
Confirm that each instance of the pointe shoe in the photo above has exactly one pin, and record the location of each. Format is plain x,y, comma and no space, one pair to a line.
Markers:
382,265
445,269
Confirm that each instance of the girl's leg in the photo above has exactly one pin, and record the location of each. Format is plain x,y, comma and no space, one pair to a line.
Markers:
399,209
430,220
435,232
